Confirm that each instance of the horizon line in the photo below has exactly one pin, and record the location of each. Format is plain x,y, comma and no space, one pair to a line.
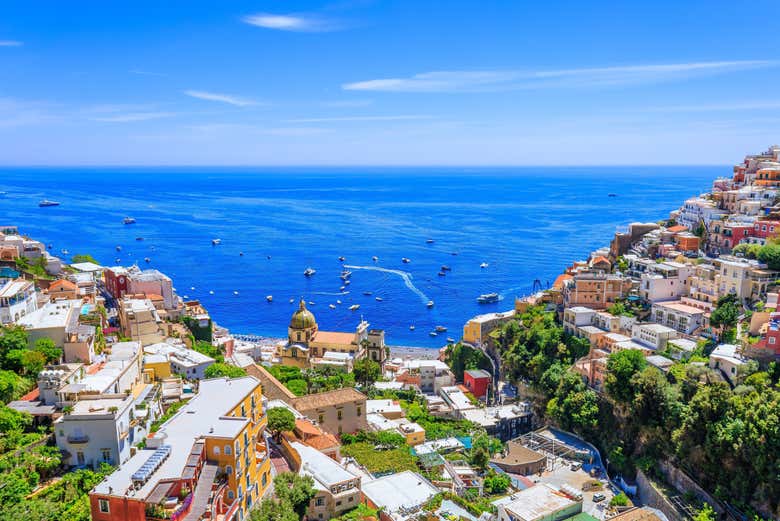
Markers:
359,165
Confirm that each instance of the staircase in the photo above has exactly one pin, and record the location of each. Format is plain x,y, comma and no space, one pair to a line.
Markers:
200,501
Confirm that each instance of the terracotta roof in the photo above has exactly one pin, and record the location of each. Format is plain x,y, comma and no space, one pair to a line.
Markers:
324,441
31,396
62,285
328,398
561,279
637,514
600,258
676,229
333,337
306,427
154,296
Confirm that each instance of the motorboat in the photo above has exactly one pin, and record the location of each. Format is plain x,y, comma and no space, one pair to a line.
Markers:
411,328
429,241
429,304
445,268
308,272
118,248
488,298
128,220
235,293
332,306
241,254
269,298
367,293
211,292
483,265
347,282
292,300
345,274
147,259
64,252
312,303
441,274
45,202
354,307
338,302
374,258
342,288
342,259
440,329
379,299
216,242
450,340
405,260
118,260
433,333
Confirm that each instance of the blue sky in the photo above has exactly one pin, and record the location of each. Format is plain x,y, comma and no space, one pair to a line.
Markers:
386,83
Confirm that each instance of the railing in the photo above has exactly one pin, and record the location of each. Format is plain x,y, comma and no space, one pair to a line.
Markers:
78,438
232,510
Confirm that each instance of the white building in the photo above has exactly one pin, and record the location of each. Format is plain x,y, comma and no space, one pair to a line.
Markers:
538,503
401,496
653,335
336,488
120,371
727,359
183,360
679,315
665,281
457,400
577,316
152,282
17,299
51,321
698,209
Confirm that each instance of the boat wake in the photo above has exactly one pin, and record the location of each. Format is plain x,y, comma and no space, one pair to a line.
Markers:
332,293
407,278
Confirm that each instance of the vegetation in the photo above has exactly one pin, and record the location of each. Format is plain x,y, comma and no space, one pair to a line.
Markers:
218,369
726,314
37,267
167,415
295,490
482,448
280,419
360,513
206,348
495,483
83,257
381,460
461,357
199,333
301,382
620,500
435,427
366,372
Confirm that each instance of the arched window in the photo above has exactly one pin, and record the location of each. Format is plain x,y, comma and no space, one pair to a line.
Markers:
228,470
228,450
216,451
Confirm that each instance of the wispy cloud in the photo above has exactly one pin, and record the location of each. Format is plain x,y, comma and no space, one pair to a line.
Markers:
303,23
142,72
403,117
11,43
494,80
348,103
222,98
718,107
133,117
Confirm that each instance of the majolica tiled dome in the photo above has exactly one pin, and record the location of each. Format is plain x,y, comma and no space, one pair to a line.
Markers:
303,318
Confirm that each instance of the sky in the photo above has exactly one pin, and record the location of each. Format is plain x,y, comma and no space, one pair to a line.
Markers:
360,82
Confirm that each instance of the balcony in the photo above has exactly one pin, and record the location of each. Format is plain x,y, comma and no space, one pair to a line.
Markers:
78,438
261,453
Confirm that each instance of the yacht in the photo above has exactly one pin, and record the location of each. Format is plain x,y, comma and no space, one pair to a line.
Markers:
215,242
411,328
441,274
429,241
345,274
483,265
46,202
354,307
308,272
342,259
269,298
367,293
379,299
374,258
147,259
441,329
445,268
332,306
487,298
429,304
128,220
405,260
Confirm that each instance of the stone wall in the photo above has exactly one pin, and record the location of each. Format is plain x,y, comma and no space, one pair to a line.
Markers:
684,483
652,497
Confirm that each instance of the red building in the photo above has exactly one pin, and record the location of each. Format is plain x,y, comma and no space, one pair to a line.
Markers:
477,381
766,229
116,281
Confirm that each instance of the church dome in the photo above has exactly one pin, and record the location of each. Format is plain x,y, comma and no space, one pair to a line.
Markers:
303,318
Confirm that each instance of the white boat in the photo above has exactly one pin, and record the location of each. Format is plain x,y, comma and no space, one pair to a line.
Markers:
215,242
342,288
192,288
342,259
347,282
312,303
332,306
405,260
292,300
445,268
235,293
345,274
441,329
374,258
241,254
118,248
433,333
354,307
488,298
128,220
211,292
64,252
367,293
308,272
46,202
147,259
269,298
411,328
429,304
379,299
338,302
429,241
441,274
118,260
450,340
483,265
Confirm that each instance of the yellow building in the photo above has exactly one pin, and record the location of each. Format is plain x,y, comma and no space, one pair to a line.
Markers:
413,432
307,343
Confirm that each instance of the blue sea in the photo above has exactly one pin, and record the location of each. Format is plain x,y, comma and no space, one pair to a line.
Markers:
525,223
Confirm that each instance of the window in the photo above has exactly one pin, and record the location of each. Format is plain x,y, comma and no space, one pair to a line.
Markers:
231,495
105,454
321,418
264,480
320,501
771,340
228,450
228,469
103,503
339,414
216,451
80,458
359,411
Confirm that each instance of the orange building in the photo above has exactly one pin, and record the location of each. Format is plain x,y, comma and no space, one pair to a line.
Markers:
687,241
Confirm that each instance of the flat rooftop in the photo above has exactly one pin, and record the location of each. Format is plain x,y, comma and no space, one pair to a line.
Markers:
398,492
538,502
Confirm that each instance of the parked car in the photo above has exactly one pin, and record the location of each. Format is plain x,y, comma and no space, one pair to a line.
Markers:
598,497
576,466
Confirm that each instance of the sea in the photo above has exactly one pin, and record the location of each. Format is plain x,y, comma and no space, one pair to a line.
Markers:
499,230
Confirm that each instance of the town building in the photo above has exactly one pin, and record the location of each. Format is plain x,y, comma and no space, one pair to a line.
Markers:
167,358
477,381
538,503
516,458
680,315
457,400
337,412
398,497
504,422
655,336
727,359
429,376
213,448
596,290
477,330
665,281
17,299
140,321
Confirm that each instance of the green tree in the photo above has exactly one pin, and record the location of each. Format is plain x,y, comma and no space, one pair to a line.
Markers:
706,513
366,372
13,420
495,483
13,342
32,362
726,312
83,257
294,489
297,386
621,500
621,367
12,386
461,357
273,510
217,370
48,349
770,254
280,419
